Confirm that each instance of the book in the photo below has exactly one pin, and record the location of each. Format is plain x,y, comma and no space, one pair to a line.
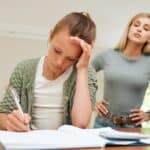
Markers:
67,137
113,134
112,137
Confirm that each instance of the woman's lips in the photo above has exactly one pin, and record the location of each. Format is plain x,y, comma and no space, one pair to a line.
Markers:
137,35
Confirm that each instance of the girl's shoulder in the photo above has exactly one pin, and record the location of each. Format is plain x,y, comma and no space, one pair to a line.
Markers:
107,52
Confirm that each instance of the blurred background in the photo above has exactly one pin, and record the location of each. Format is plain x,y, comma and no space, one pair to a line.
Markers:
25,25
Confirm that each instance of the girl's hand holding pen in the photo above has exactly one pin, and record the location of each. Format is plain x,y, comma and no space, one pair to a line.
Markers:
17,122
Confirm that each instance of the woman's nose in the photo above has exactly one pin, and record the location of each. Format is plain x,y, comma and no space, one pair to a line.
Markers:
60,62
139,29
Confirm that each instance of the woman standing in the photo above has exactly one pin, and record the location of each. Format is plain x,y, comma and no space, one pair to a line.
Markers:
126,76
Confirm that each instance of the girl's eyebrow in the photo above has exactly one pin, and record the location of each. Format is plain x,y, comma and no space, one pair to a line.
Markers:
137,20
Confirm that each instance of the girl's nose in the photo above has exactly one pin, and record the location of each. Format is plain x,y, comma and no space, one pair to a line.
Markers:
139,29
60,62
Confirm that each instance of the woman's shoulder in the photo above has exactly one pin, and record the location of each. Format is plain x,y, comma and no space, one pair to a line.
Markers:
146,59
26,66
28,62
107,52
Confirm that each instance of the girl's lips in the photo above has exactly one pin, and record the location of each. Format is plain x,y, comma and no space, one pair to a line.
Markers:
137,35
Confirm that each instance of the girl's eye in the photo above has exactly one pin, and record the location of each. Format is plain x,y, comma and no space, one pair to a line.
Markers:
72,60
136,24
147,28
57,51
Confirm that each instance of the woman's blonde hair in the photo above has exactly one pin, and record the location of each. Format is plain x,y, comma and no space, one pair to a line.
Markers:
123,41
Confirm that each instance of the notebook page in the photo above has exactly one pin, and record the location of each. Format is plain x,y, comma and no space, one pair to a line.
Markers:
95,133
82,133
50,139
81,138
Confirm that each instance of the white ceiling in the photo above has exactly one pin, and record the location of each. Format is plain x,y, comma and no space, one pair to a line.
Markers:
34,18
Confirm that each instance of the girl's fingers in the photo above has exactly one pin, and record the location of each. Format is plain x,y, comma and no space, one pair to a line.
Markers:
84,45
101,108
15,124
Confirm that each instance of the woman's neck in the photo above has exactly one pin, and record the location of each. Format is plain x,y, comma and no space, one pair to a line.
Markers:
133,50
47,72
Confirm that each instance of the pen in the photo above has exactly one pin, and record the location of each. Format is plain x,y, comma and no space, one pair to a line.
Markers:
16,99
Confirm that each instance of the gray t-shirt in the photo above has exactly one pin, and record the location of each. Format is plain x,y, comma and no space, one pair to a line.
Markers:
125,80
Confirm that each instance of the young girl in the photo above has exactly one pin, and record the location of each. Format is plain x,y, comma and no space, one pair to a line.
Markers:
59,87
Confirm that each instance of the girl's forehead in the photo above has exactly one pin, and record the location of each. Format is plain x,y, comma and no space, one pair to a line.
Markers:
145,20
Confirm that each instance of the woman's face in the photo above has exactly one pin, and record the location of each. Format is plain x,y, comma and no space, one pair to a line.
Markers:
62,53
139,31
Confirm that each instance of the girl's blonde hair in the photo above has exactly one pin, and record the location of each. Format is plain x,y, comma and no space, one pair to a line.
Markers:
123,41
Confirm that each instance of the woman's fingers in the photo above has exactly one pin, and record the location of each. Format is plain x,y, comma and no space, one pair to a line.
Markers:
86,52
138,116
101,107
17,122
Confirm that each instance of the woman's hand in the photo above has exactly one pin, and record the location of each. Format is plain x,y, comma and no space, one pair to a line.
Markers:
82,100
17,122
86,53
138,116
101,108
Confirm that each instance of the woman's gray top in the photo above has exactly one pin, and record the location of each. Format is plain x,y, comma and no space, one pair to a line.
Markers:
125,80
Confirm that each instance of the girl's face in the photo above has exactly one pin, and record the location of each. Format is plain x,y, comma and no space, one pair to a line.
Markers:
139,31
62,53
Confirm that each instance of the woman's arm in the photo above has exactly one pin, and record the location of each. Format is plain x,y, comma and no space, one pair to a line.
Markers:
82,105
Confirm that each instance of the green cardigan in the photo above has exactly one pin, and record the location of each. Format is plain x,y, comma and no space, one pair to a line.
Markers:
22,79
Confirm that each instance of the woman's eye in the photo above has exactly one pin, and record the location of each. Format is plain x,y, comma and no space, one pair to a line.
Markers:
136,24
72,60
57,51
147,28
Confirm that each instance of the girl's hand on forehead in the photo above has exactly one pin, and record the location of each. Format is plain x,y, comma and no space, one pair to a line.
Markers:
80,42
86,52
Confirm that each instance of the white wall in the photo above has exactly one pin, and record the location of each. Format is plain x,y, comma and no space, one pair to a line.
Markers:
24,25
14,50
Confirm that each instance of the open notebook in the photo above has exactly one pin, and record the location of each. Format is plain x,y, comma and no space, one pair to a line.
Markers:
67,137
